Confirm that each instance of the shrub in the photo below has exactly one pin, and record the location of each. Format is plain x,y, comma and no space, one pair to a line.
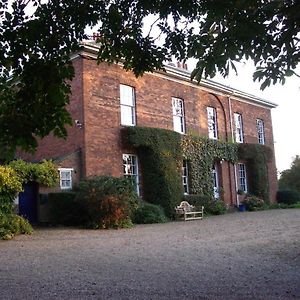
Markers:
253,203
64,210
211,206
148,213
288,197
10,185
106,201
217,207
11,224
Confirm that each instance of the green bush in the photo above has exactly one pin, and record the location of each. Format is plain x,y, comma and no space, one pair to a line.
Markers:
107,202
288,197
64,210
217,207
211,206
148,213
253,203
11,225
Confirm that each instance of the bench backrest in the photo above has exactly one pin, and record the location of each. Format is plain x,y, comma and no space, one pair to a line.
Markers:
186,206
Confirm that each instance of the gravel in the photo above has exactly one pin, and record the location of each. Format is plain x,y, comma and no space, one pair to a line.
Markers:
251,255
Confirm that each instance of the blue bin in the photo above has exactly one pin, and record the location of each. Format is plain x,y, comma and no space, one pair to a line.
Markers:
242,207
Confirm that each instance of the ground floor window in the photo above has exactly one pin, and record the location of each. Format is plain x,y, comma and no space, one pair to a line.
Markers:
242,178
185,177
65,178
130,169
215,176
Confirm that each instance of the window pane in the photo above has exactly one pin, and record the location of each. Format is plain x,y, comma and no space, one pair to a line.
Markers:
178,115
126,95
130,169
127,117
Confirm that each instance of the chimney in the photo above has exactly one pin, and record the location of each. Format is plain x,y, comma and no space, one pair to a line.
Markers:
181,65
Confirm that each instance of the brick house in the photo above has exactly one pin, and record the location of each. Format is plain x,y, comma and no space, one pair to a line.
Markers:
105,98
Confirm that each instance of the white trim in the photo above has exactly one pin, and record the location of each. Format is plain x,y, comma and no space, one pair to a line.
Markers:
70,170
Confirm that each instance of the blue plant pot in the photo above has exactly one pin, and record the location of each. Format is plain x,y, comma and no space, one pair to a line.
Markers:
242,207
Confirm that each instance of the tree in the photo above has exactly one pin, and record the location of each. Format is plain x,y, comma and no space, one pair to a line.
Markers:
290,178
37,38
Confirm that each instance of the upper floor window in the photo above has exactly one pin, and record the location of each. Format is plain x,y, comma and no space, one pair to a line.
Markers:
185,177
65,178
178,115
212,123
130,169
127,102
260,131
239,131
242,177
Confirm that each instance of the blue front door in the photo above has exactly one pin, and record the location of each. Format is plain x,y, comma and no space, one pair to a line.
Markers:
28,202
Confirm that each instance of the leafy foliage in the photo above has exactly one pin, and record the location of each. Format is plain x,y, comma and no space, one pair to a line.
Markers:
256,156
288,196
35,69
160,157
201,154
10,185
290,179
44,173
253,203
11,224
107,202
148,213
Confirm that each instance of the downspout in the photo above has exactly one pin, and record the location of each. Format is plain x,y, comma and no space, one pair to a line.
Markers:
232,138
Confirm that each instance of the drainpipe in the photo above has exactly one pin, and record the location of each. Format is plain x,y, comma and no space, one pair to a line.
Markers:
232,138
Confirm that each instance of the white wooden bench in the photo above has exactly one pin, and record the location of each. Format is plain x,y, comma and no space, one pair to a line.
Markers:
188,212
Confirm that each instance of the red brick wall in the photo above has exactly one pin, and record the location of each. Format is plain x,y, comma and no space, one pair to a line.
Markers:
95,102
154,109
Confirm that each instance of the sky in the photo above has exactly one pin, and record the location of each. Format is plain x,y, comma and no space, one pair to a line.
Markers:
285,117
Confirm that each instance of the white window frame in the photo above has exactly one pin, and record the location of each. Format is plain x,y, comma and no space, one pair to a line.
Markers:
260,131
215,176
178,115
239,130
61,179
131,169
185,177
242,176
212,123
127,105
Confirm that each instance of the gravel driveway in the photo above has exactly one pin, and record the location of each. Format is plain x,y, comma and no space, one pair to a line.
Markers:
252,255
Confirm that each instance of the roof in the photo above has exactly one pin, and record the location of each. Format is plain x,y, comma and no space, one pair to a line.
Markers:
171,72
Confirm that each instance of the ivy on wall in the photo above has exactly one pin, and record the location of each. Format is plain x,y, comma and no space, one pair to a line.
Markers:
201,154
257,157
161,153
160,157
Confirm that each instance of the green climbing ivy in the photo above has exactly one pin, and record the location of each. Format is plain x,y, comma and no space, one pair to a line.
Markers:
201,153
257,157
160,157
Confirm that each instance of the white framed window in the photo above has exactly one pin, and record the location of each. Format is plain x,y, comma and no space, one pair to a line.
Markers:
212,123
260,131
242,176
185,177
65,178
215,176
127,103
131,169
178,115
239,131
